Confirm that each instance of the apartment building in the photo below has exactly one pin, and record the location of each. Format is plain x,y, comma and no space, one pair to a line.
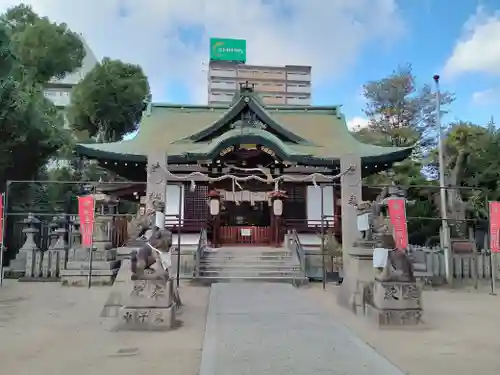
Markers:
59,90
277,85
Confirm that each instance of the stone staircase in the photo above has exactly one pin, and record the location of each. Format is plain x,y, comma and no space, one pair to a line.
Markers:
241,263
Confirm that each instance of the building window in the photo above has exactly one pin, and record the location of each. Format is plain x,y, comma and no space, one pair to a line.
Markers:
295,207
196,210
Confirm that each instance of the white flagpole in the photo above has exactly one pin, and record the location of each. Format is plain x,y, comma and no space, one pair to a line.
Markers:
442,187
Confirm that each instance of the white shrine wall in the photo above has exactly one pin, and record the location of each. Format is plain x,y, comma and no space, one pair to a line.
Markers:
313,201
175,197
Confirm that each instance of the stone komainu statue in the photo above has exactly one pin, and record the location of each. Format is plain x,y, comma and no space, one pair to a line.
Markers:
139,224
398,266
145,257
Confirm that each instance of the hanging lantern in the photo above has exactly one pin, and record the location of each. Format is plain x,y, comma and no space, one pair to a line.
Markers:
277,197
214,207
214,202
278,207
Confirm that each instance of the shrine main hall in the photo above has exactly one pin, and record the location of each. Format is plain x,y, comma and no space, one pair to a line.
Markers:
243,139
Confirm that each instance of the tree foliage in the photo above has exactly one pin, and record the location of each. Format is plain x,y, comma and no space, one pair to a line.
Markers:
45,49
110,100
400,112
31,127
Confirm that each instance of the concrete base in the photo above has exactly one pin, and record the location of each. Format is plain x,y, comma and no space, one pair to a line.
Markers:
121,288
144,319
149,306
80,277
17,266
393,317
96,265
13,273
394,303
358,273
150,294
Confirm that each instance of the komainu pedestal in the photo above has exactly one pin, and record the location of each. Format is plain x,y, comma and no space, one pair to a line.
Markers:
150,306
394,303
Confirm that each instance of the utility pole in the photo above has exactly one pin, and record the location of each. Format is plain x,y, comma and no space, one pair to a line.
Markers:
442,188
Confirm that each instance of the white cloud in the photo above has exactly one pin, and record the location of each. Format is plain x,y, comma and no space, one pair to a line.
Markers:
486,97
478,50
325,34
357,123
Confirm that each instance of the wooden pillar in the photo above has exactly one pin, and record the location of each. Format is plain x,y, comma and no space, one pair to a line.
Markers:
216,230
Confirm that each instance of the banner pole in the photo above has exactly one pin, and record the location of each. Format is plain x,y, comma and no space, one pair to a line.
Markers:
86,211
323,268
179,223
91,247
91,255
492,237
2,247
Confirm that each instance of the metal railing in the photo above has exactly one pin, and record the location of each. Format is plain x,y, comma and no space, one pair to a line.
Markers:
200,250
293,242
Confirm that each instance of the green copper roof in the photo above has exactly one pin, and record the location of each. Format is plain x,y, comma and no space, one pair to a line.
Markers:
250,135
313,135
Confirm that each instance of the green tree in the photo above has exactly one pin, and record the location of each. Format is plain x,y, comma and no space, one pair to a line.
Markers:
402,114
31,127
109,101
45,49
471,162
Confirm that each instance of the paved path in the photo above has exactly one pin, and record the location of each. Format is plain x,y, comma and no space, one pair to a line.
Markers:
262,329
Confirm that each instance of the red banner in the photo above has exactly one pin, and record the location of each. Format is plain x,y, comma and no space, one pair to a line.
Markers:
1,217
397,216
494,227
86,213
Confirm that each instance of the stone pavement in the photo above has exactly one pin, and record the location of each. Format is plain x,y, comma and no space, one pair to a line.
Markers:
49,329
269,328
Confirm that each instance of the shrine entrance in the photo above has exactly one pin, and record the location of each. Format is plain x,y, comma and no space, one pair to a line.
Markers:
246,215
246,221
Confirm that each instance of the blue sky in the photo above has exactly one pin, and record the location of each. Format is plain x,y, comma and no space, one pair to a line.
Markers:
432,29
347,43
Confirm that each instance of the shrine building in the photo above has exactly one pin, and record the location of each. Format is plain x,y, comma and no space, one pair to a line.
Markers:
245,138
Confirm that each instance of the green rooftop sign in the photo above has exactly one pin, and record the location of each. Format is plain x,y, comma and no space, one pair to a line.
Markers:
228,49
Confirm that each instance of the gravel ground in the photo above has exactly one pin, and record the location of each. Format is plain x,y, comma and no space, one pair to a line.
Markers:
461,335
49,329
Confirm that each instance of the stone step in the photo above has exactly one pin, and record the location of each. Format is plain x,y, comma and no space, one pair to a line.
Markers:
103,277
207,280
215,266
251,273
269,251
248,261
249,257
